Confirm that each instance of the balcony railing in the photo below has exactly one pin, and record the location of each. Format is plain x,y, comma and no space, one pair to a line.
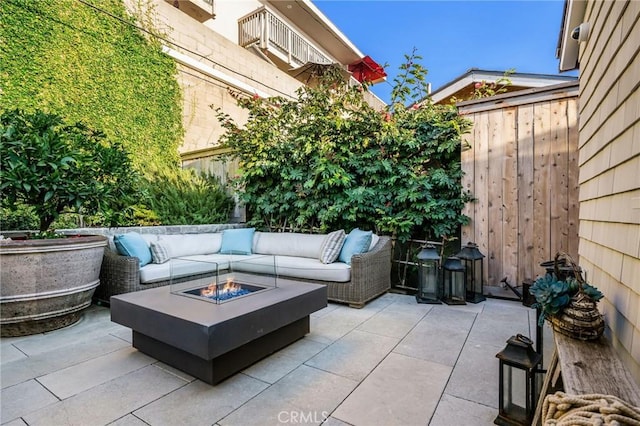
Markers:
278,38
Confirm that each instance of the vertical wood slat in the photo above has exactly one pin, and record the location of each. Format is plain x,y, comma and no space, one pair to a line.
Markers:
525,180
526,269
559,163
509,195
481,192
494,192
541,205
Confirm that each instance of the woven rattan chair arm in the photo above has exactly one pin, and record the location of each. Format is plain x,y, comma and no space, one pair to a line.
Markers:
371,271
118,274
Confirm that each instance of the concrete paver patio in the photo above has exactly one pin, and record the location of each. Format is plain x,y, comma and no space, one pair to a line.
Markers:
394,362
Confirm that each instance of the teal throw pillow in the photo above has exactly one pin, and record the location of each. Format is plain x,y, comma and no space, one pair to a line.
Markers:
132,244
237,241
357,242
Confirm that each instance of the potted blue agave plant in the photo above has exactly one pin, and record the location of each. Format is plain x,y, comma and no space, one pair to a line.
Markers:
569,303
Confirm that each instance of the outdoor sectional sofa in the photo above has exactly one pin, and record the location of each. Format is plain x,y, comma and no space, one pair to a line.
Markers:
352,279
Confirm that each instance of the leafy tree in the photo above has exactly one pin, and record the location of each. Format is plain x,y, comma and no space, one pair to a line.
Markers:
52,166
327,160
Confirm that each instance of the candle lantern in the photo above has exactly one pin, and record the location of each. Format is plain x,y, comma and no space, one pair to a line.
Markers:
474,272
518,392
453,279
428,275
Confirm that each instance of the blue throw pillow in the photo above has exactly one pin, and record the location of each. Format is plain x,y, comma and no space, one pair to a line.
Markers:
237,241
132,244
356,242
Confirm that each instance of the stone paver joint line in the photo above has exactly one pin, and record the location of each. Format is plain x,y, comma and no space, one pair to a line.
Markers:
393,361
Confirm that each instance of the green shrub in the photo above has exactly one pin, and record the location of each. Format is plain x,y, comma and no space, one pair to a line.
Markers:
185,197
327,160
54,167
18,218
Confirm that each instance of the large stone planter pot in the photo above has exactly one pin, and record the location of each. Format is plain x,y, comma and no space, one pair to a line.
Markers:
47,283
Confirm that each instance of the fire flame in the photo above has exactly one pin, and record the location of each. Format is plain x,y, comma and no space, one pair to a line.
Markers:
226,288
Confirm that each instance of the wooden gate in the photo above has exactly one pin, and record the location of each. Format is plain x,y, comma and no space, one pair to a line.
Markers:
522,167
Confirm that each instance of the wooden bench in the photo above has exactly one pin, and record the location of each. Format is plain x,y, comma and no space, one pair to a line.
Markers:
590,367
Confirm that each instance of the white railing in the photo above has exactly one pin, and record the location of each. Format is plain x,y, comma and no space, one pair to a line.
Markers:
273,34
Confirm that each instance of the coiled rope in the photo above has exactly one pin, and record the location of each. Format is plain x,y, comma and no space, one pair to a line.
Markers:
561,409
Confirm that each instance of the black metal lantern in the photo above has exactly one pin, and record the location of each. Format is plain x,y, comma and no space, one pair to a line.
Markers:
474,267
428,275
453,279
518,392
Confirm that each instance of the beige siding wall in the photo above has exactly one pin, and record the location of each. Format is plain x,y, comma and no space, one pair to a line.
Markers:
522,169
609,159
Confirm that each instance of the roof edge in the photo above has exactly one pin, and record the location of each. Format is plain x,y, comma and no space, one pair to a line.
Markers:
570,88
568,48
476,75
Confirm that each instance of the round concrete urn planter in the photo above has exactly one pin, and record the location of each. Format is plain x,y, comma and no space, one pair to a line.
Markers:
47,283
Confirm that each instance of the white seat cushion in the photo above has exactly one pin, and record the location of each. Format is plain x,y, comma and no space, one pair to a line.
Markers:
191,244
176,268
297,267
288,244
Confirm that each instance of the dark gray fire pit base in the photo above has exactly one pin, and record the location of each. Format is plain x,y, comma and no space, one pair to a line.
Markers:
212,342
217,369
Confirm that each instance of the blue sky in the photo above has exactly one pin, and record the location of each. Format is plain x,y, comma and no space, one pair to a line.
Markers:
451,36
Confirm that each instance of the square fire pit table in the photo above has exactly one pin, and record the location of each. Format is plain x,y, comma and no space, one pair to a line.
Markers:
213,341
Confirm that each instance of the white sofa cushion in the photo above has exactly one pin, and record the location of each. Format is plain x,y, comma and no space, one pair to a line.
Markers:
176,268
297,267
191,244
288,244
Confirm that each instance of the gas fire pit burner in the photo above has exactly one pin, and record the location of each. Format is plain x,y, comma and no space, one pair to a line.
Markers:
219,293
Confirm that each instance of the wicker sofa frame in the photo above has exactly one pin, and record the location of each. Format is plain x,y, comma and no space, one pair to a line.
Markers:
370,277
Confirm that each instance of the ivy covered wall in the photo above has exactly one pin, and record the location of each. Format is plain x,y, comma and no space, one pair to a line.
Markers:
68,57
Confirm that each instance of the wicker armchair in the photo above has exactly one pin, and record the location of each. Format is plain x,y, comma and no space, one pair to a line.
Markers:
370,277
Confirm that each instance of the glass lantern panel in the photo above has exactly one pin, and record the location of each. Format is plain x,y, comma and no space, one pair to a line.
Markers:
514,393
458,285
428,276
477,276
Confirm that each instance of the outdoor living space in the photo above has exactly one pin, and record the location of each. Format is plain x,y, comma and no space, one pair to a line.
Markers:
394,362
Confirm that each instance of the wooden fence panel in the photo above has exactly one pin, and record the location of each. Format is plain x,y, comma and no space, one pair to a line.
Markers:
494,197
559,201
480,190
522,169
525,266
541,181
509,195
